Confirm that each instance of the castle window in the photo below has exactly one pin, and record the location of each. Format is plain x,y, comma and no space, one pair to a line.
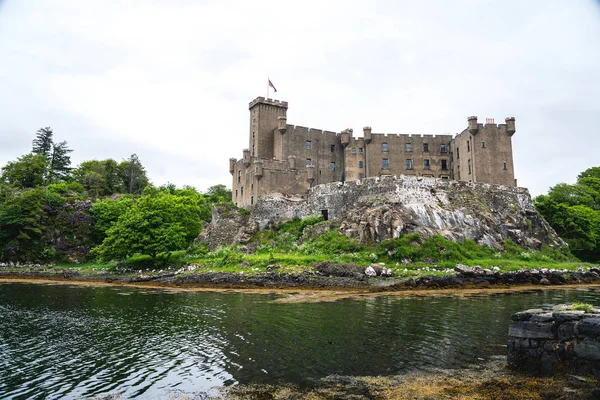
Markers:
469,145
483,145
253,135
469,165
361,164
253,150
384,147
333,148
308,162
504,166
443,148
332,166
308,145
444,177
385,163
239,176
458,172
426,164
409,164
242,191
251,200
408,147
426,147
361,176
360,150
253,121
236,192
354,150
457,154
444,164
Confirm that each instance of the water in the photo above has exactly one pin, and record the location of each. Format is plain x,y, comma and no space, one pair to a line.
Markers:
59,341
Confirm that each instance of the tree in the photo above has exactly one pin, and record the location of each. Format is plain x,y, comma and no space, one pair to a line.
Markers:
21,225
219,194
60,162
156,223
27,172
100,177
133,175
106,212
57,155
42,144
574,213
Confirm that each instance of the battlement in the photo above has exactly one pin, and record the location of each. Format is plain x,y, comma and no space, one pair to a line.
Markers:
408,136
270,102
303,130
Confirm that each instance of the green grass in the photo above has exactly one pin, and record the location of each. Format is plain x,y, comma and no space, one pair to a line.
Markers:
588,308
295,245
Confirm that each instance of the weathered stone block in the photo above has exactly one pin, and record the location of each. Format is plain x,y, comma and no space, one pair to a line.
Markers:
527,314
548,363
589,327
566,330
544,317
587,350
562,316
532,330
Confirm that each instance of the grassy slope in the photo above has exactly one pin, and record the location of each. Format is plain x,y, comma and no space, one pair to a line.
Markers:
290,247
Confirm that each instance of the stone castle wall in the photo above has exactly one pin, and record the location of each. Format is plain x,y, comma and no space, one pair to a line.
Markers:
481,153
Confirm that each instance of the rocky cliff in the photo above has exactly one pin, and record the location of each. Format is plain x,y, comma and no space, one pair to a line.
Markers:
377,209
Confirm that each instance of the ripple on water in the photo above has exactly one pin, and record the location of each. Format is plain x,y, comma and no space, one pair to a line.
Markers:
75,341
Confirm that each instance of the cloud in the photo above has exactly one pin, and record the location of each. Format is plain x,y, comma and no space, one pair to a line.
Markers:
170,81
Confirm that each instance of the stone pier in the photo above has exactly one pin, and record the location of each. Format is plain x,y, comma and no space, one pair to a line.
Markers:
559,339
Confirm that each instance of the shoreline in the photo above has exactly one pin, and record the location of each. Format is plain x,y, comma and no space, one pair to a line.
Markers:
299,293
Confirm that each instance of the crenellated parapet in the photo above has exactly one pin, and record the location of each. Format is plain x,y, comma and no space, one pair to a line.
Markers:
269,102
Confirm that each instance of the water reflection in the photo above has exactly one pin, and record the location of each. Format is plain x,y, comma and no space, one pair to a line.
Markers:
72,341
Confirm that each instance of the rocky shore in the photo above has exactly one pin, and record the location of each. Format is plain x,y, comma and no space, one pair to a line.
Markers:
323,275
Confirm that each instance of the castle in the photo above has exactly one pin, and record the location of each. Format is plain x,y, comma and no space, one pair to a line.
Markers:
288,159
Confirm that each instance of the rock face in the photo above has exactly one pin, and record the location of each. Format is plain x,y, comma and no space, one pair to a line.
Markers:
544,340
376,209
228,225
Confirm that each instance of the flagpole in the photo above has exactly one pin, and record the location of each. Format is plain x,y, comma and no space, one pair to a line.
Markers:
268,80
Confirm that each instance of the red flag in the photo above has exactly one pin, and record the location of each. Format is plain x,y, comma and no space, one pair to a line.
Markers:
273,86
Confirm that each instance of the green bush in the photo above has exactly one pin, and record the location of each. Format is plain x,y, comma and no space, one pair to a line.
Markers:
331,242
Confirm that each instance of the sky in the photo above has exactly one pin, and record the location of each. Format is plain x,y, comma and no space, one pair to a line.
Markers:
171,80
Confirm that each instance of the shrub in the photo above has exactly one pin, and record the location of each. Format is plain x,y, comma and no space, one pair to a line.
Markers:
332,242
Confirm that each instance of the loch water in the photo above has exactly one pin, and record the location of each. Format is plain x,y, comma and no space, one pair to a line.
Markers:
72,341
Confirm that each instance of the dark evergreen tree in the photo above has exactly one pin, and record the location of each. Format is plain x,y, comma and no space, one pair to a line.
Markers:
60,162
42,144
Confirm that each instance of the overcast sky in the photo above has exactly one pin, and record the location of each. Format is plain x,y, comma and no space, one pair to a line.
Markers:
171,80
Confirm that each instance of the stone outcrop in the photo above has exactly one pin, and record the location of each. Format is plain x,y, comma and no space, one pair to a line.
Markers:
545,341
228,225
376,209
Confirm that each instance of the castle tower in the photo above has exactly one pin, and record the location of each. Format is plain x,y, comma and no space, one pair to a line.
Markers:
267,117
483,152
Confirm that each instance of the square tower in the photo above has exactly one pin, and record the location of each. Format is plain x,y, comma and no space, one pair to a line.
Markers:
266,117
